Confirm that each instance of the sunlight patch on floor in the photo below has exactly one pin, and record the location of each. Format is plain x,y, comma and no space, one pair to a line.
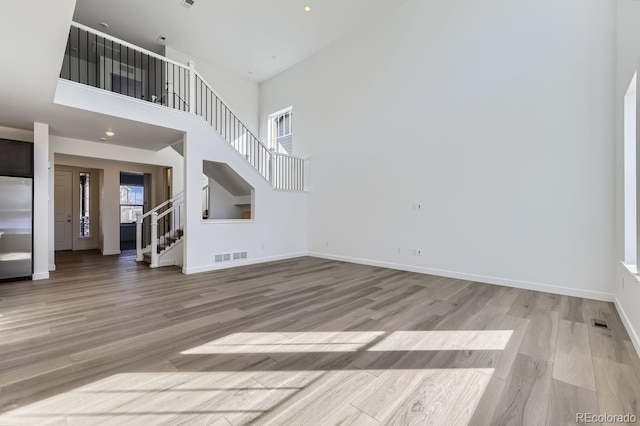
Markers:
289,342
422,396
447,340
301,342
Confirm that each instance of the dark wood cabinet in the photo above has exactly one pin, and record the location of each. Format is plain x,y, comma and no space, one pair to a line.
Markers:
16,158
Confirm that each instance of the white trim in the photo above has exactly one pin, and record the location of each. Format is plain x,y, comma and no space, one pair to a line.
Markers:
110,252
226,221
67,99
52,267
525,285
633,270
127,44
236,263
40,276
627,324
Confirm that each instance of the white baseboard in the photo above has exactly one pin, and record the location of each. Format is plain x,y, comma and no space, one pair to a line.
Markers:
52,267
627,324
565,291
110,252
40,276
234,264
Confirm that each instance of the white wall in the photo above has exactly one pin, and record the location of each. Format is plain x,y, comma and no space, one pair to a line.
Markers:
279,228
222,204
496,116
16,134
111,160
239,93
627,286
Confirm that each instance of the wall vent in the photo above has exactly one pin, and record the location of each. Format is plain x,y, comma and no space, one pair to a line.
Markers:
230,257
187,3
598,323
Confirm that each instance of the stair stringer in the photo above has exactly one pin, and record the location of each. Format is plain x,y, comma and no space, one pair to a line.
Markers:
172,255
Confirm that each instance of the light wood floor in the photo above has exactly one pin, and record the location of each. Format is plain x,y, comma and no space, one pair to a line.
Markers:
304,341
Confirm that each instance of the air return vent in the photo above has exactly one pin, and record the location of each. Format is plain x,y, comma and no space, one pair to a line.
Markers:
230,257
187,3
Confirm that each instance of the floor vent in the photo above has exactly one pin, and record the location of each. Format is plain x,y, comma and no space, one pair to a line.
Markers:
228,257
598,323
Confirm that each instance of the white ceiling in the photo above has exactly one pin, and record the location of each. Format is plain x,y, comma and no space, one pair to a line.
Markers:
241,35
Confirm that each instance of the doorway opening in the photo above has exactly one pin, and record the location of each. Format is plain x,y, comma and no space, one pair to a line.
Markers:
135,190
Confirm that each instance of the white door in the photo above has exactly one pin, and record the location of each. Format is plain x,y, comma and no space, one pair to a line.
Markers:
63,206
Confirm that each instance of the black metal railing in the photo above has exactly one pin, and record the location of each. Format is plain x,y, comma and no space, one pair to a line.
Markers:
97,60
209,106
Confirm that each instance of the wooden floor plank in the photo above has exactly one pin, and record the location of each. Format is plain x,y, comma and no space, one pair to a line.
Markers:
302,341
572,362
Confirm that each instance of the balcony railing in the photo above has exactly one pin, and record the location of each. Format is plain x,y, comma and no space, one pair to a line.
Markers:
99,60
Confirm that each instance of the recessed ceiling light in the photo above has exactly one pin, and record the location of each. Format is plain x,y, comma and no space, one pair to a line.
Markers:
109,133
103,139
104,25
307,8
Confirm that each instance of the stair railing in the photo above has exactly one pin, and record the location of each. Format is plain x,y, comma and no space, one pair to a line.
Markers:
142,244
210,106
170,221
99,60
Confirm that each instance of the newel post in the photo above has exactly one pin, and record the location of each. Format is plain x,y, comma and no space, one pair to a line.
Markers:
139,257
272,166
154,240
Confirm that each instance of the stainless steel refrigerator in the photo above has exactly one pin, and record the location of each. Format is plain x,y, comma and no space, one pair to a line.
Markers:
16,223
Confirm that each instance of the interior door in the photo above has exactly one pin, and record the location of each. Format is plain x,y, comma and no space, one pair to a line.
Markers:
63,207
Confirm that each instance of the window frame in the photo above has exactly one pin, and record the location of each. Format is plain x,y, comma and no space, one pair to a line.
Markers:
274,129
141,205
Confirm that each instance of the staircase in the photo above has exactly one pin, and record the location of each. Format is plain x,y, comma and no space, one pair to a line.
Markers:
99,60
104,62
159,234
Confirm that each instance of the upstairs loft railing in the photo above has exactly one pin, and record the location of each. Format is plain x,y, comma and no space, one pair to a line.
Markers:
99,60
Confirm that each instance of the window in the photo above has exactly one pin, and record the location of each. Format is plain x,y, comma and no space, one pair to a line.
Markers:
631,175
281,131
131,202
85,197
